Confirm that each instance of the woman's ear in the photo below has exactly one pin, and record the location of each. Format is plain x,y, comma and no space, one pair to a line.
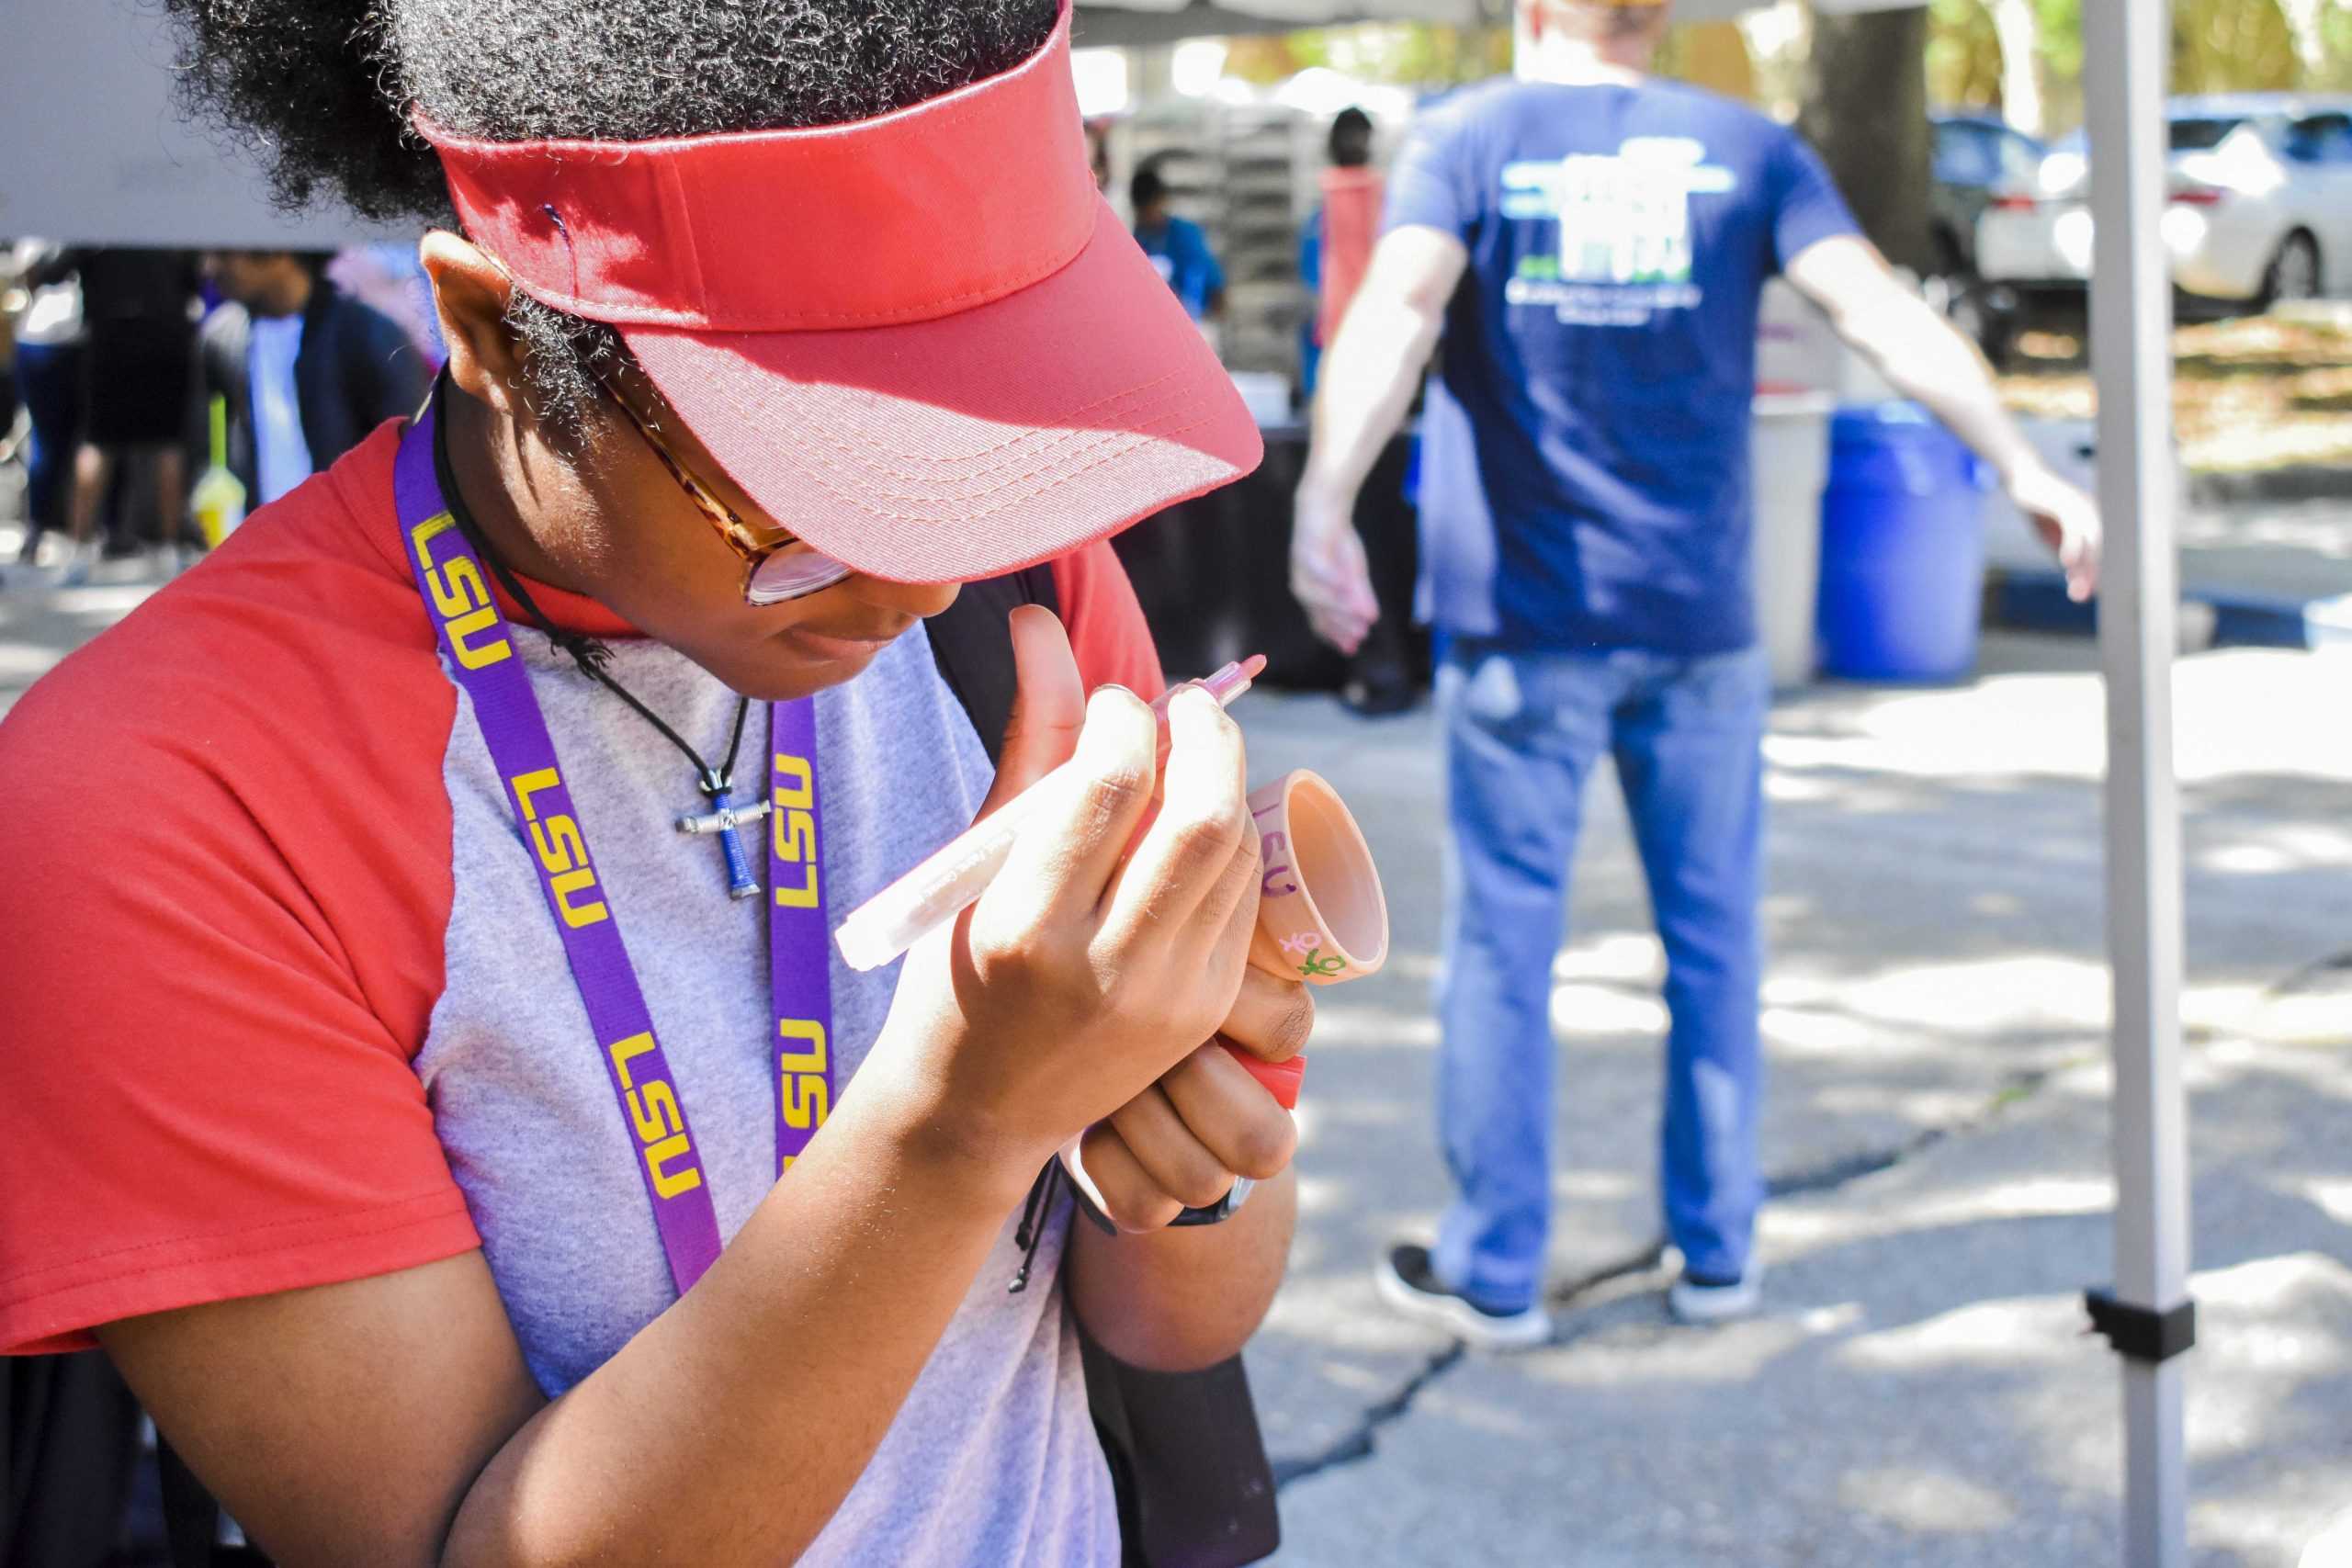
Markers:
470,295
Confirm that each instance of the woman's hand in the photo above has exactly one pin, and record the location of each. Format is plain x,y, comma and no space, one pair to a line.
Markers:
1182,1143
1089,970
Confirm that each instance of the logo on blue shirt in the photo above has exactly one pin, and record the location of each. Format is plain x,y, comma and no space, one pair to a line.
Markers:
1625,225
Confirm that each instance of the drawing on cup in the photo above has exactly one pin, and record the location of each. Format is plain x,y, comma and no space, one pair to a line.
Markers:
1321,914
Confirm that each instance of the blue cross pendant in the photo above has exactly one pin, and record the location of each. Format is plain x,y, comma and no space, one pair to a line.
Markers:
725,818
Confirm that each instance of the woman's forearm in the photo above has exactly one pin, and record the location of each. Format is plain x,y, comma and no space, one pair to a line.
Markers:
732,1426
1178,1300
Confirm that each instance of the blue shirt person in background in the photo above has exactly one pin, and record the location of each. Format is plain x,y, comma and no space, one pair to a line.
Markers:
1593,245
307,369
281,455
1585,442
1177,246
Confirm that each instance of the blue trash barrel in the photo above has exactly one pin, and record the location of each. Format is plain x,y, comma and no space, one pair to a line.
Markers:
1902,547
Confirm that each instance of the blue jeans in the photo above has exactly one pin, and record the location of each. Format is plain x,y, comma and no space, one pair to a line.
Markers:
1523,732
49,378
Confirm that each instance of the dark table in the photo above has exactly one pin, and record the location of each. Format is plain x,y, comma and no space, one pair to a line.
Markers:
1214,576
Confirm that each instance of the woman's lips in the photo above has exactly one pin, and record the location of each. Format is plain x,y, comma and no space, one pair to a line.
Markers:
839,646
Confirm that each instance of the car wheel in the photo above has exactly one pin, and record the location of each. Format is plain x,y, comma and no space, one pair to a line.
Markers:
2294,271
1949,277
1988,316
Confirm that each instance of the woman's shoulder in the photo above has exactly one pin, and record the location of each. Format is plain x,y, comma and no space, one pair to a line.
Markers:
270,725
229,842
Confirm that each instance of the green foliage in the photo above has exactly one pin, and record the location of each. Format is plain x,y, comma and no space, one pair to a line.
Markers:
1408,53
1963,56
2218,46
2060,26
2232,45
2334,73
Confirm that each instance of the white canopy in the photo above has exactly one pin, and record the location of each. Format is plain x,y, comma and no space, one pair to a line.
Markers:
99,155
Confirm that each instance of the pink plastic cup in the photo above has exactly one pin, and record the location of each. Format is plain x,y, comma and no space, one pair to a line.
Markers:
1321,916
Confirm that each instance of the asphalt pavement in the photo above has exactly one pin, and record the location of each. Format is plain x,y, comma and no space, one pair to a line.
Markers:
1921,1388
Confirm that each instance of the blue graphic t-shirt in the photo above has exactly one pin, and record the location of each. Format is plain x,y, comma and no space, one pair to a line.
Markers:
1180,249
1585,458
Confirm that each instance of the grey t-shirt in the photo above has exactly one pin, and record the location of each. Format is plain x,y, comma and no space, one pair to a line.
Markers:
993,1458
256,1020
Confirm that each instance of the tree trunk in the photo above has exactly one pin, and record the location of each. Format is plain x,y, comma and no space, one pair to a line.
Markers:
2019,27
1866,113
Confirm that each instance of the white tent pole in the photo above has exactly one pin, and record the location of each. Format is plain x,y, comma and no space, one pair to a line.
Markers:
2126,47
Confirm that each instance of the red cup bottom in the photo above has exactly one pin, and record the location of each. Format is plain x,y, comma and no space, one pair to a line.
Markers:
1281,1079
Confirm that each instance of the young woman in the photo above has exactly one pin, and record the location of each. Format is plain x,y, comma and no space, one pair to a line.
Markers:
459,1165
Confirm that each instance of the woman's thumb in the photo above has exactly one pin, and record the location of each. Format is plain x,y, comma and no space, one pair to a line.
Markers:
1048,704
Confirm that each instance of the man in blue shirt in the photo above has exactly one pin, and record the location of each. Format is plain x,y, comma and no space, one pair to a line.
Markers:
1593,245
307,369
1177,246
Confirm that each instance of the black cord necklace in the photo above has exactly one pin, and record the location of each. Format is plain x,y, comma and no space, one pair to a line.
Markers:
717,784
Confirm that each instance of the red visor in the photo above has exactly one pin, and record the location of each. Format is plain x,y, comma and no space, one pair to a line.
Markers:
921,342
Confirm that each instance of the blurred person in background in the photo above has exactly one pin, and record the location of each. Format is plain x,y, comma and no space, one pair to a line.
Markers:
1336,247
1177,246
1333,255
12,299
49,383
139,383
1593,245
1098,153
388,277
307,369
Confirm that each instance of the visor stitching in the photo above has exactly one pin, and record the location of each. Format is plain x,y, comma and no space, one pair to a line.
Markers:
857,468
870,474
1009,501
1002,450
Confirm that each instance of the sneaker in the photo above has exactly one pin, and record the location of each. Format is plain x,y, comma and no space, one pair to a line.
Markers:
1379,696
1409,1281
1694,1299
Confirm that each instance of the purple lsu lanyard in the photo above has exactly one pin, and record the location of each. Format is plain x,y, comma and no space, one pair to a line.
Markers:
478,647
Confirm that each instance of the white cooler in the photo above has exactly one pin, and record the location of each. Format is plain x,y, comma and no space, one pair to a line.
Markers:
1791,453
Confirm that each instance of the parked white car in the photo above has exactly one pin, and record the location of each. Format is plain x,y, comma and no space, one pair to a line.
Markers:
2261,205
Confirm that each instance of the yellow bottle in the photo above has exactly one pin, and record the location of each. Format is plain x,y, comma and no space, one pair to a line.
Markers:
219,498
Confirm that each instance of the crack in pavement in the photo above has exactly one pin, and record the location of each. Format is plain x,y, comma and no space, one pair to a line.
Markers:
2314,975
1357,1444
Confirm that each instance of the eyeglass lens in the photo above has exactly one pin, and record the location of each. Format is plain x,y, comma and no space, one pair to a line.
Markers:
793,574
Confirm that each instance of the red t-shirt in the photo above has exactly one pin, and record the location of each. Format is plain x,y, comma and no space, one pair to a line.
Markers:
228,846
